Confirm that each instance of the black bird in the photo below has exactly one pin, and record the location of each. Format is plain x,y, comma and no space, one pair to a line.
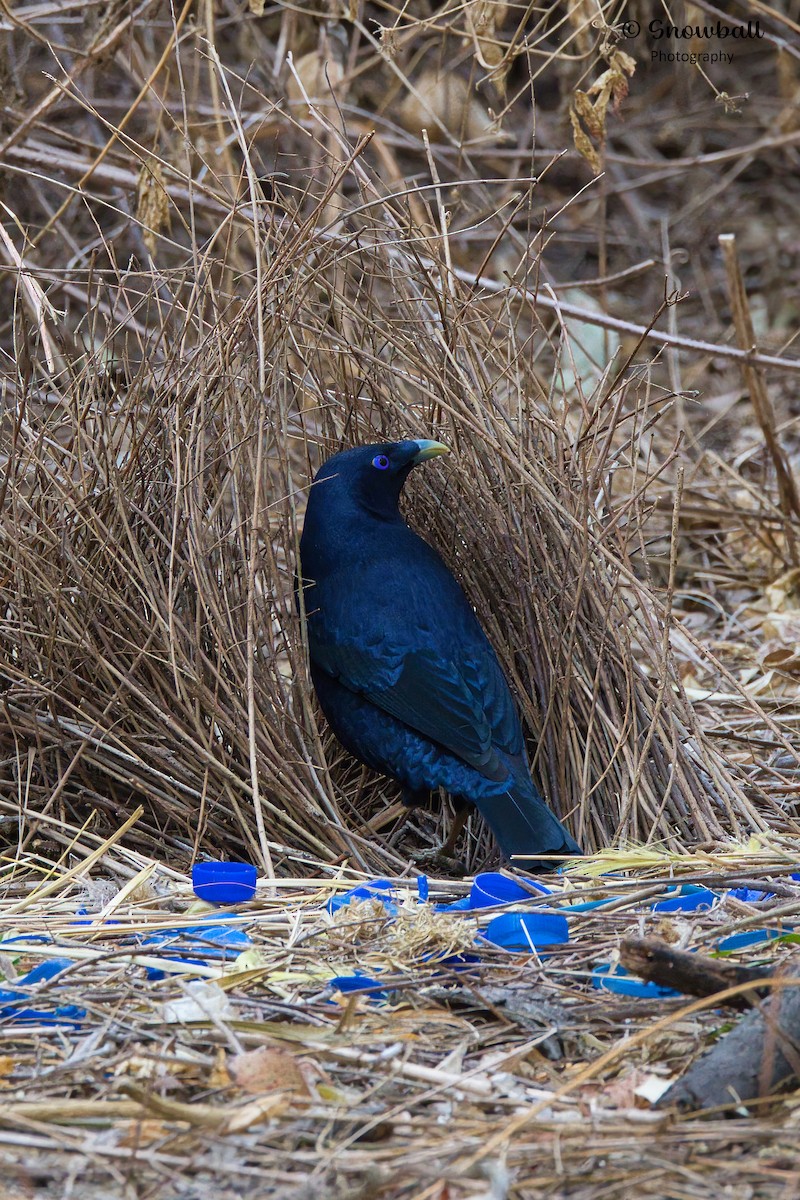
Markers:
405,675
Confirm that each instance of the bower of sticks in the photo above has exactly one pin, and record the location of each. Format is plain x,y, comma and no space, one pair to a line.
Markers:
234,239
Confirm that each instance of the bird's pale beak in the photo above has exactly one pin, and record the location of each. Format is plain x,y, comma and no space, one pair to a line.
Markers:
429,450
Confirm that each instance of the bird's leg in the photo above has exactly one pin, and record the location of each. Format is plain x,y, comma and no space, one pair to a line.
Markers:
448,847
445,854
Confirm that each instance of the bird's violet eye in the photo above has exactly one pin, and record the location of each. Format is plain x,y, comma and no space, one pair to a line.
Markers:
381,462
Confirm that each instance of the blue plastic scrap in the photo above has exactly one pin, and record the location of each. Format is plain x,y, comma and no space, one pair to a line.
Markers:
376,889
606,979
197,945
12,1001
357,983
750,937
750,895
688,899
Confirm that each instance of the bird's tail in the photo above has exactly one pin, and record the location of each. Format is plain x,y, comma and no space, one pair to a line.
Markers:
523,824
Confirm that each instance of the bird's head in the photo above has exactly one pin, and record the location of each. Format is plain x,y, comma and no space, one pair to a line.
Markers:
373,476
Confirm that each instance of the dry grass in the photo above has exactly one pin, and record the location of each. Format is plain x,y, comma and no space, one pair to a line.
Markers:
227,249
508,1077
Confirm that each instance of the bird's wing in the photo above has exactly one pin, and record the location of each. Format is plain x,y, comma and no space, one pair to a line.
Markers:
461,707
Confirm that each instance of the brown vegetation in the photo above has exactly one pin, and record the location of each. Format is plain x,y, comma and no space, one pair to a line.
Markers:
235,239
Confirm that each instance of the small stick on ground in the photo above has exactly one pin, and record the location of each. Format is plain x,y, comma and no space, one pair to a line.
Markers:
692,974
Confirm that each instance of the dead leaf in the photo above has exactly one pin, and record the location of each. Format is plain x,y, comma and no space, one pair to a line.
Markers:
268,1069
445,100
484,18
589,110
152,202
781,658
145,1132
220,1076
582,14
318,77
783,594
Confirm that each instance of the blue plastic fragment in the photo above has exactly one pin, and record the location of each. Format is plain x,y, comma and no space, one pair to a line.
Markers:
459,961
357,983
749,937
11,1000
155,973
422,888
462,905
376,889
32,939
527,931
198,944
618,980
214,940
750,895
587,905
84,912
696,900
491,888
224,882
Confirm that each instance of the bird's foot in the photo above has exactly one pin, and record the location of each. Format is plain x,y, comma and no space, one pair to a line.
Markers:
441,859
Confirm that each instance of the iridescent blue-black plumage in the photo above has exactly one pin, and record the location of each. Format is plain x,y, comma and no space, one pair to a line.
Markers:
404,673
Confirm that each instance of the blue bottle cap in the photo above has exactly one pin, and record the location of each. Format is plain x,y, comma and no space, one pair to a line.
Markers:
224,882
492,888
527,931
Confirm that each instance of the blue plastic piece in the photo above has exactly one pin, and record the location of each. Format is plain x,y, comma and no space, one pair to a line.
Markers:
155,973
32,939
462,905
214,940
357,983
491,888
84,912
376,889
696,900
211,941
619,981
224,882
422,888
11,1000
459,961
527,931
750,895
587,905
749,937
